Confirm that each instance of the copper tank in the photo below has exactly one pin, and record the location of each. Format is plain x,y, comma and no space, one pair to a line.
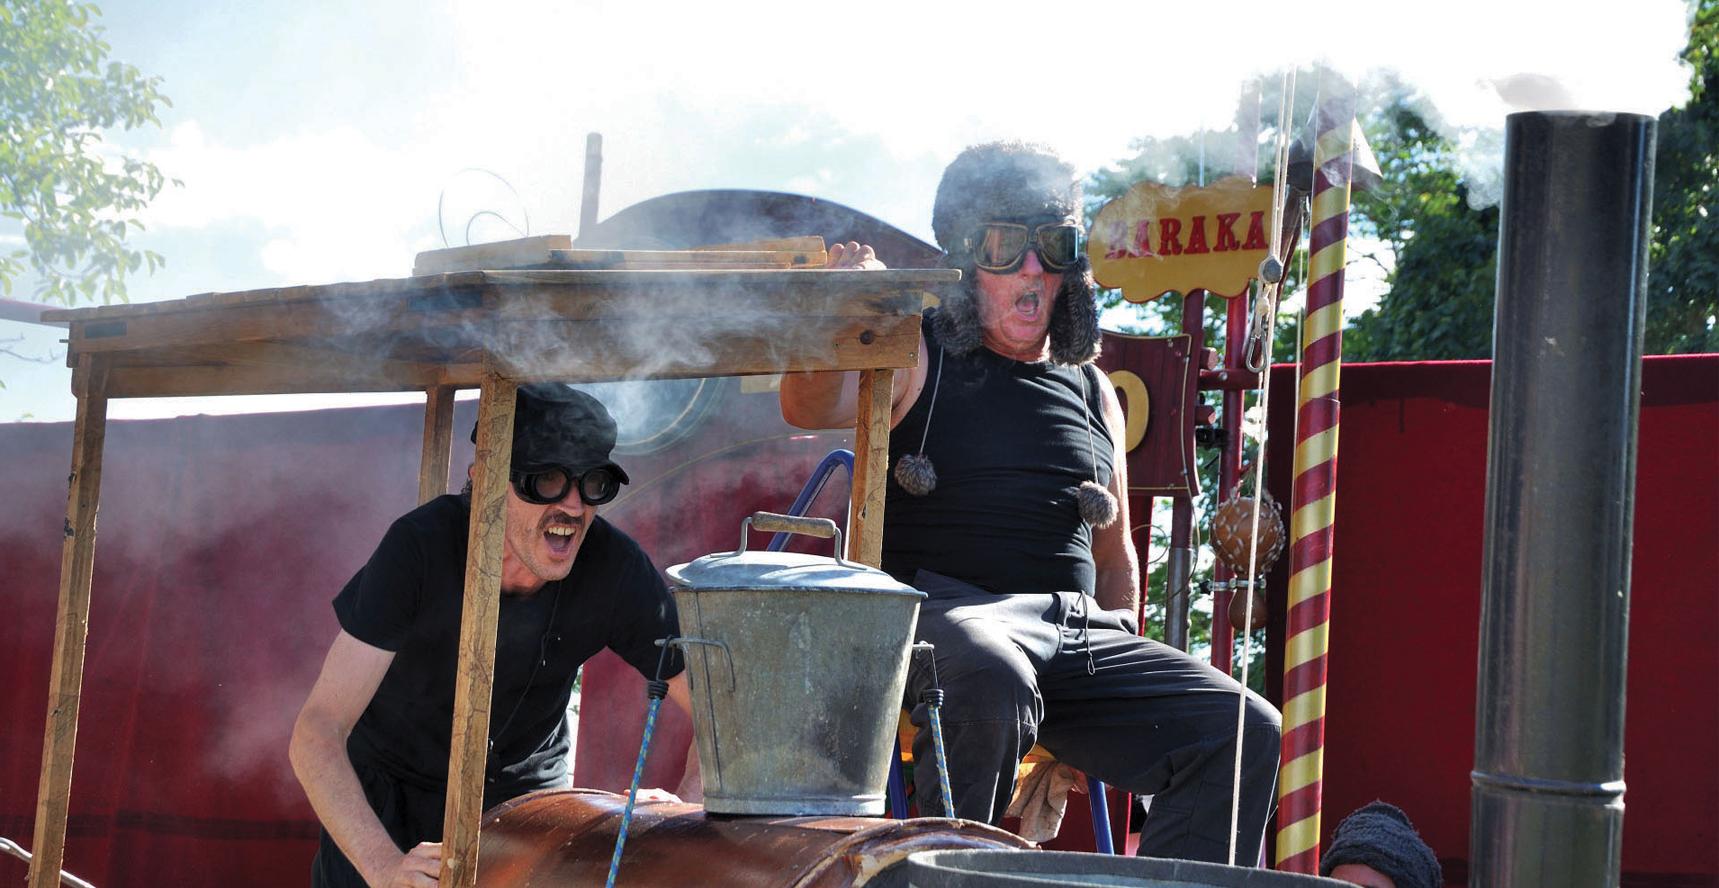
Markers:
566,837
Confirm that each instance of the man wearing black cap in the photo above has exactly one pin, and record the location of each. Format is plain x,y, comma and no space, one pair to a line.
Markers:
371,743
1007,506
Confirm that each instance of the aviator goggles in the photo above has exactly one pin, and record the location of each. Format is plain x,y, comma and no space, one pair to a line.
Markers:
1001,247
549,486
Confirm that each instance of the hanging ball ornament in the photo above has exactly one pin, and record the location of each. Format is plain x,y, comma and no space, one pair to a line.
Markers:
1232,527
1097,505
915,474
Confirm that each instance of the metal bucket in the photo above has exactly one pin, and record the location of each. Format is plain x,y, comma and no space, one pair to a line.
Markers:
796,665
1037,869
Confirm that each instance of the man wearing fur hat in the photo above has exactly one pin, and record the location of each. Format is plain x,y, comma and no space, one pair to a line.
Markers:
1007,507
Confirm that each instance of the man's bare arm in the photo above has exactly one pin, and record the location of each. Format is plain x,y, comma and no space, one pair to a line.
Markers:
1113,554
350,675
830,400
691,788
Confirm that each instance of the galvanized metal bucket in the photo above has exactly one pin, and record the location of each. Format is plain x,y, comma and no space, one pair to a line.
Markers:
796,665
1038,869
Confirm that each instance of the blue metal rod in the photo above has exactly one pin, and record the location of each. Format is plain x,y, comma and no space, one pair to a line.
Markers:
1100,815
814,486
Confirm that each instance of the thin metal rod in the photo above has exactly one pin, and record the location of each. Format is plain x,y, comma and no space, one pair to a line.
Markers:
17,850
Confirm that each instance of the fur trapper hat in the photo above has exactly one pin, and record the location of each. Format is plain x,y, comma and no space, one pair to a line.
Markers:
1007,181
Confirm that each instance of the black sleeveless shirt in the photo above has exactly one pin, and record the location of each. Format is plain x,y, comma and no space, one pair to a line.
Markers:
1009,441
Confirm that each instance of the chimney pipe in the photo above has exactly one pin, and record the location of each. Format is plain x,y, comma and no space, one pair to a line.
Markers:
1547,803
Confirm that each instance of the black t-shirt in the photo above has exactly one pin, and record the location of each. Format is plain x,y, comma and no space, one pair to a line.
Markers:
408,599
1011,442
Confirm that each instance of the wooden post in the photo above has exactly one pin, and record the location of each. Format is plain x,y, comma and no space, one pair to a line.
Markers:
476,676
871,466
438,441
71,626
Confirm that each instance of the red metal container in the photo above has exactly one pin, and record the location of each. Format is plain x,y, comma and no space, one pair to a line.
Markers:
566,837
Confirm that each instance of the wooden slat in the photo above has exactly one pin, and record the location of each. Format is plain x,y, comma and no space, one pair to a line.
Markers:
71,625
685,259
501,254
808,244
476,675
871,465
438,441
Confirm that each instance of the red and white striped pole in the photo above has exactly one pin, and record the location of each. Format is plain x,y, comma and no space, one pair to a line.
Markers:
1313,500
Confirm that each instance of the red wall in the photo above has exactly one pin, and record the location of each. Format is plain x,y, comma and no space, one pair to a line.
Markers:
1406,607
223,539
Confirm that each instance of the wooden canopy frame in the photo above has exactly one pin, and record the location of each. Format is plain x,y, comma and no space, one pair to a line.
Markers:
436,333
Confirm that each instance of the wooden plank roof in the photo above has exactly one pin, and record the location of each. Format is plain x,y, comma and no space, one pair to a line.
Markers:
566,324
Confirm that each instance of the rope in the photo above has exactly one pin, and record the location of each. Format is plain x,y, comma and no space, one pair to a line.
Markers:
1268,293
657,689
936,383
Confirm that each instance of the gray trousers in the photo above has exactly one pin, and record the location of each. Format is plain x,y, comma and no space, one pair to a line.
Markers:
1139,715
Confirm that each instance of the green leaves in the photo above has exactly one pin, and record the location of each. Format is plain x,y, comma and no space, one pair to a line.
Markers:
74,197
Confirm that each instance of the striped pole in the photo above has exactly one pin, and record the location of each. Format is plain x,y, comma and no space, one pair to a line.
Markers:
1313,500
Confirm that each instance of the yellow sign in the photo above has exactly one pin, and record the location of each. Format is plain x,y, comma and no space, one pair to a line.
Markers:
1156,239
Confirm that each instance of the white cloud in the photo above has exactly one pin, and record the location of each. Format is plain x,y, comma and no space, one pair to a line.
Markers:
335,205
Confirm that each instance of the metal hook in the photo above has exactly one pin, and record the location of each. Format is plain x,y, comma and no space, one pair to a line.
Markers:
728,655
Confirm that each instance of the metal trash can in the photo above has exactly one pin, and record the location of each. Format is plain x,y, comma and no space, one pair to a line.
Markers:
796,665
1037,869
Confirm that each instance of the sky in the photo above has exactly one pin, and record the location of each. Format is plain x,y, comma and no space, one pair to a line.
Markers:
312,140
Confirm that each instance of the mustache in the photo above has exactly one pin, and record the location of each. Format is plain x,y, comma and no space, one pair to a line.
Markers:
560,519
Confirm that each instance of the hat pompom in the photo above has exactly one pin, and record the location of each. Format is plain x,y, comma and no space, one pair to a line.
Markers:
1097,505
915,474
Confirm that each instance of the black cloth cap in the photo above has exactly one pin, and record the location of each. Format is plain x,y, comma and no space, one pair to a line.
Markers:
1380,835
556,425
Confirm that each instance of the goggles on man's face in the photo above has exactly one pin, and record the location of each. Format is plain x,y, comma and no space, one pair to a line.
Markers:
549,486
1001,247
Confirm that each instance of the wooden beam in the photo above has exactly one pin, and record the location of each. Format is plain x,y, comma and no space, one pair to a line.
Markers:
476,676
254,368
71,625
438,442
871,466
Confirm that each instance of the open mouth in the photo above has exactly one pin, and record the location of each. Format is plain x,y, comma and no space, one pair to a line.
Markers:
1027,305
559,538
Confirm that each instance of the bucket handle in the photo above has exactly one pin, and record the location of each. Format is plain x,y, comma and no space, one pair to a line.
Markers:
774,522
726,654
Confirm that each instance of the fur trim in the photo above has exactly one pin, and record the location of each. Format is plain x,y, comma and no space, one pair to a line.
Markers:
1074,336
915,474
956,318
1097,506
